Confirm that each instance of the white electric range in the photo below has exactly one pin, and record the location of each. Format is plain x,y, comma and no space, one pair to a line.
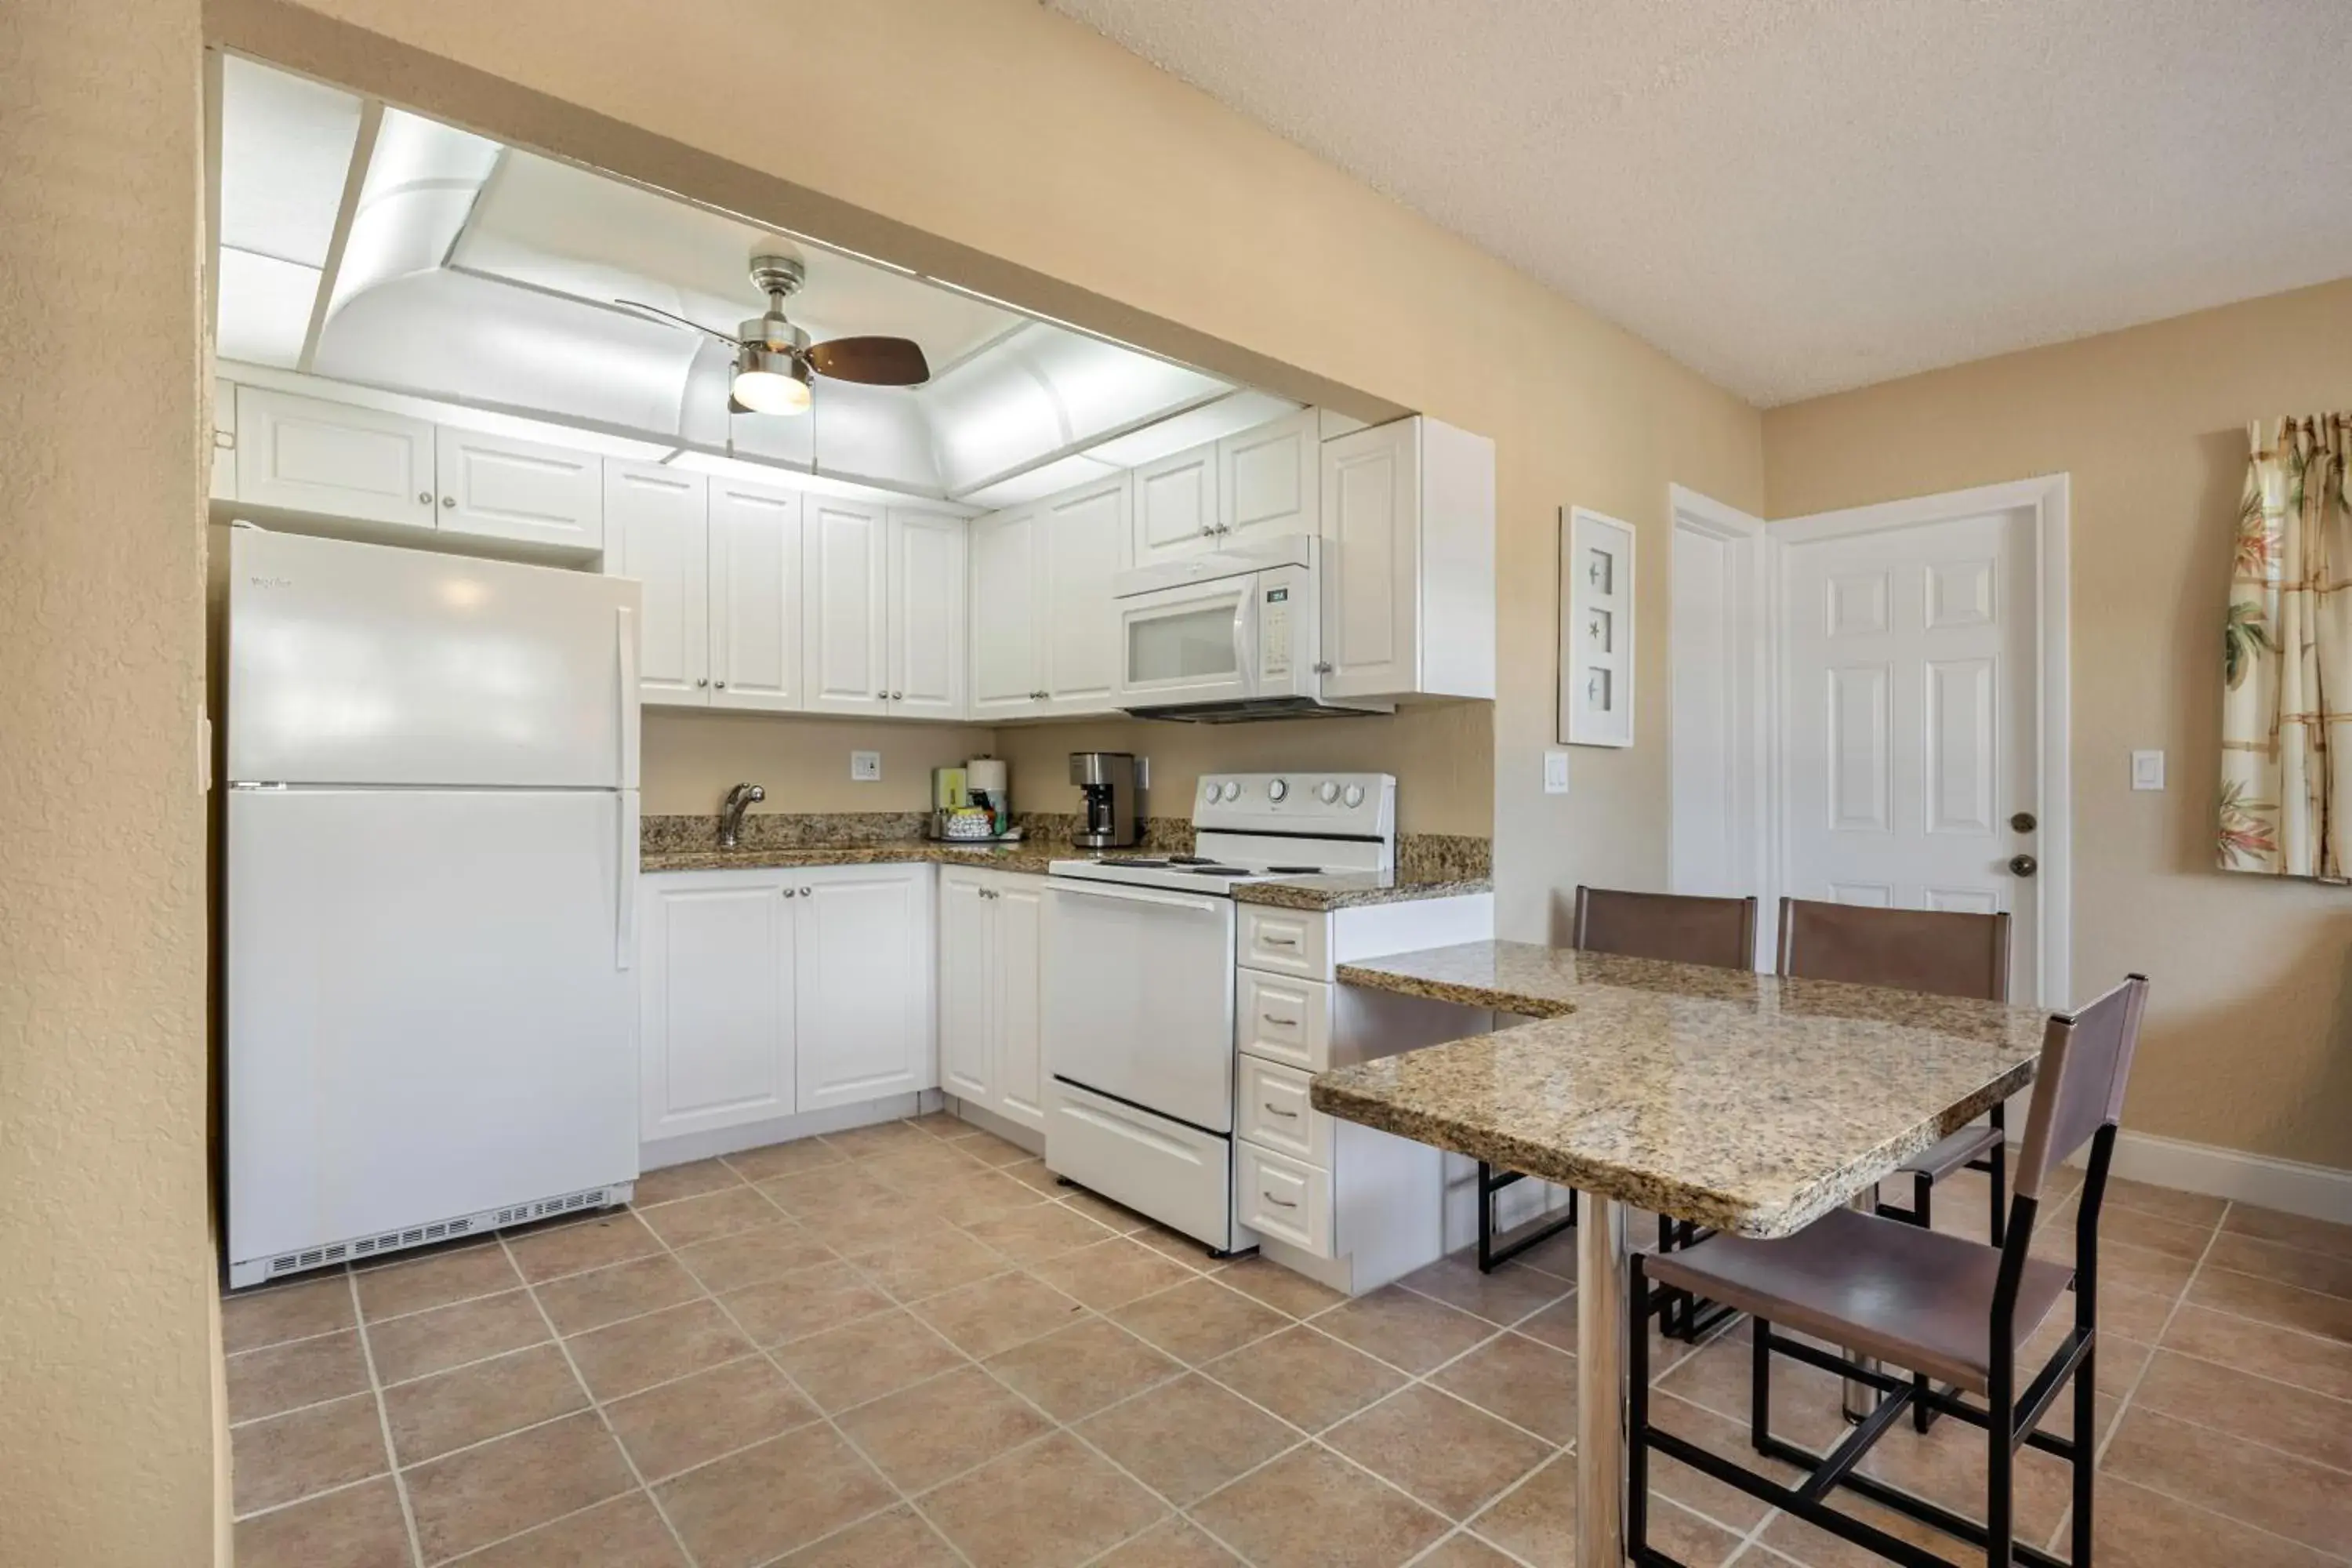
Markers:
1138,1007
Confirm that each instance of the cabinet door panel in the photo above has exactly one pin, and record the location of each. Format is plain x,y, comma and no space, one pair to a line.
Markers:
1175,505
1018,966
493,487
1007,609
755,597
333,459
926,613
655,533
843,587
966,986
1372,544
1080,635
865,997
716,1015
1268,477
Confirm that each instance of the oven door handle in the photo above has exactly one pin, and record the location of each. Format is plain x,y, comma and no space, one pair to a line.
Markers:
1207,906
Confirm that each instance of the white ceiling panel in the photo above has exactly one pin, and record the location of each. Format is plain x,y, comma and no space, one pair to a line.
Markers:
1793,196
265,308
286,148
1228,415
1050,478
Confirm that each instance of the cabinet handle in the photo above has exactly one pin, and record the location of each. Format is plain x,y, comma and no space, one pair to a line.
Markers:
424,498
1277,1110
1208,530
1278,1202
1279,1022
1322,668
448,501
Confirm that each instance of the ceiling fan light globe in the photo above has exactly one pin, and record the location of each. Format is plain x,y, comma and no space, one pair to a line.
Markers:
767,383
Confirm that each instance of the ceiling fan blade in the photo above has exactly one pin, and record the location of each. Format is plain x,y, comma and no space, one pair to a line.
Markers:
877,362
676,320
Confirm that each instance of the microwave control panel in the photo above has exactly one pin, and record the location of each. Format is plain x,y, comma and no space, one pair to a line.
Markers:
1274,631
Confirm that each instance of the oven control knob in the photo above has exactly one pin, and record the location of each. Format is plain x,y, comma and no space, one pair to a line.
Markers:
1327,792
1276,789
1355,795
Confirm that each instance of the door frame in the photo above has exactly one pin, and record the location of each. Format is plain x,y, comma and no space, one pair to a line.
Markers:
1752,612
2048,499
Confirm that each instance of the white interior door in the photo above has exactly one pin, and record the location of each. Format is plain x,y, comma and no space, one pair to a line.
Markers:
1911,722
1720,646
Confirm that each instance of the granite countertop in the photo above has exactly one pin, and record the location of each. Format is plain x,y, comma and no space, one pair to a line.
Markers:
1034,855
1744,1102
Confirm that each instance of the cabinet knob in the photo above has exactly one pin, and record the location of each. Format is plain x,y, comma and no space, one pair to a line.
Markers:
702,680
804,892
1322,667
898,697
448,502
788,892
424,498
722,686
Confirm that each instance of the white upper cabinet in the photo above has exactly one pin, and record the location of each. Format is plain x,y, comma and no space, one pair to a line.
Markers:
926,613
1175,505
1007,614
845,641
1408,527
755,596
304,454
655,531
1268,479
1077,620
525,492
863,983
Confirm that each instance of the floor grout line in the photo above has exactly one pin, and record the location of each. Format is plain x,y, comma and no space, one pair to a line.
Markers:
383,1424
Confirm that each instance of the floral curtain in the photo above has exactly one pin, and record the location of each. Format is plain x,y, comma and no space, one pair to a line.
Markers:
2286,709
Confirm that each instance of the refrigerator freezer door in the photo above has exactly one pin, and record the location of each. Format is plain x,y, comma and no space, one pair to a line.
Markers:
362,663
427,1010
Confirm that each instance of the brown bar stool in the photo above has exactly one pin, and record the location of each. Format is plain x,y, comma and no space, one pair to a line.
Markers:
1939,1305
1943,953
1679,929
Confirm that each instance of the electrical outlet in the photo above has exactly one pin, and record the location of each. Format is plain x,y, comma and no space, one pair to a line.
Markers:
866,767
1556,772
2147,770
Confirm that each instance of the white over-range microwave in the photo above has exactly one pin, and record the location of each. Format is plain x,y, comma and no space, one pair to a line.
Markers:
1227,636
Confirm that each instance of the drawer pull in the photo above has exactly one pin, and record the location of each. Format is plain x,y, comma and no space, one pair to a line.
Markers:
1277,1110
1279,1022
1279,1203
1279,940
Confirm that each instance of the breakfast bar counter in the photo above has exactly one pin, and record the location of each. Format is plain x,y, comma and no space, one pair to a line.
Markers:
1740,1101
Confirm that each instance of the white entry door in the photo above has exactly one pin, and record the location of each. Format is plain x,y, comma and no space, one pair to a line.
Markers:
1911,723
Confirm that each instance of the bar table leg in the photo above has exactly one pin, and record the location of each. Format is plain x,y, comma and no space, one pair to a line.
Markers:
1600,1382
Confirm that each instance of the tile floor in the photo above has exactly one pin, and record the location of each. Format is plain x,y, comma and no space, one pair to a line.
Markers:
907,1345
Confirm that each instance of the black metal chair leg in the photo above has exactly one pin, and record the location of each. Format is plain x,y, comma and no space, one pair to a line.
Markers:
2086,1419
1759,1394
2000,1181
1923,1189
2001,1462
1637,1412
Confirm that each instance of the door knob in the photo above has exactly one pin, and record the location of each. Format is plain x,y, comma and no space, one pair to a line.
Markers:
2023,865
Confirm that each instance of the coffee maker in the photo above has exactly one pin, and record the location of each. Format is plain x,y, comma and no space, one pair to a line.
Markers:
1111,814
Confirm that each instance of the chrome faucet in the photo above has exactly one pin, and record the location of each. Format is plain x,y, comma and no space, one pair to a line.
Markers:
739,799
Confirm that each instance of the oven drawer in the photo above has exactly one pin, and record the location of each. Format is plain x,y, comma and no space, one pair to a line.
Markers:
1283,1020
1285,941
1287,1199
1273,1113
1178,1176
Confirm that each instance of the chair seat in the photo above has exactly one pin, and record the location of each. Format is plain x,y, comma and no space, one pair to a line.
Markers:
1944,1158
1916,1297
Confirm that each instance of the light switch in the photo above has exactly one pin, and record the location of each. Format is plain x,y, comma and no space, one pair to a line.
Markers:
866,767
2147,770
1555,772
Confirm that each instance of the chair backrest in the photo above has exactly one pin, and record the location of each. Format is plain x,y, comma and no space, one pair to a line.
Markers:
1677,926
2079,1088
1942,951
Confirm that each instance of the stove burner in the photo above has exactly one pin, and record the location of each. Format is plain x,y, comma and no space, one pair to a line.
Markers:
1294,870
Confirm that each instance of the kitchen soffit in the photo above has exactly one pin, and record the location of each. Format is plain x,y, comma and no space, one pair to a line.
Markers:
483,276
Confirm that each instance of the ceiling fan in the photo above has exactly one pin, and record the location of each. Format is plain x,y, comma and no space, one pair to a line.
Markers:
774,359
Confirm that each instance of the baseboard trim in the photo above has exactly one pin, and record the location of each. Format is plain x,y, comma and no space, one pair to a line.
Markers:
686,1147
2319,1192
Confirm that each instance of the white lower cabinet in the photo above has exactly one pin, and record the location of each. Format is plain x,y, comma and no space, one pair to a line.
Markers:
771,993
990,980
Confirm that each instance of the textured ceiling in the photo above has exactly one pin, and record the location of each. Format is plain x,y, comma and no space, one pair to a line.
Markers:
1796,196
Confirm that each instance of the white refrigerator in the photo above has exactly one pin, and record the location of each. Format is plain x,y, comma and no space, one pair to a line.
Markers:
430,898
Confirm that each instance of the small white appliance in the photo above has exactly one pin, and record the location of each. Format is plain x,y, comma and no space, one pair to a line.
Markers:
1139,1012
1227,635
431,868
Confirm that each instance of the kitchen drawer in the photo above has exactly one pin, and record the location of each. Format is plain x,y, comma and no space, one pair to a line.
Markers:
1285,941
1283,1020
1273,1112
1177,1175
1286,1199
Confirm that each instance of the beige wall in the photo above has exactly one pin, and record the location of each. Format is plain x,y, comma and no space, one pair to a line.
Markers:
1018,153
106,1343
690,761
2249,1041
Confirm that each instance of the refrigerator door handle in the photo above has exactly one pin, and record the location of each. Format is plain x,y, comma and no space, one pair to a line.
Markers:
624,714
625,913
